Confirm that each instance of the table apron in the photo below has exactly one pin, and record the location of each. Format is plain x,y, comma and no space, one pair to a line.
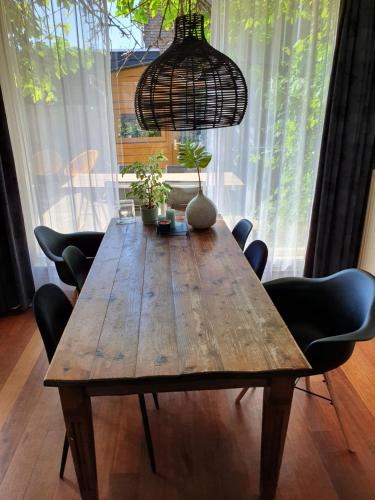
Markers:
177,386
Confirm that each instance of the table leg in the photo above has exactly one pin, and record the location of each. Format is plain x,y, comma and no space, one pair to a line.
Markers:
277,401
76,406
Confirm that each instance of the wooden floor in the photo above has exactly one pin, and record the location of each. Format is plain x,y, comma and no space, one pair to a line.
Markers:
206,447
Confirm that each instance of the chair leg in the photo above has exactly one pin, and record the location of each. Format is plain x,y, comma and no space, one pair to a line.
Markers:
241,395
146,428
307,382
156,401
64,456
338,411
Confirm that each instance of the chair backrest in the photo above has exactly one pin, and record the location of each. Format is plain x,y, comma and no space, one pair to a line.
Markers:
52,311
241,232
257,255
51,242
78,265
83,163
349,301
347,307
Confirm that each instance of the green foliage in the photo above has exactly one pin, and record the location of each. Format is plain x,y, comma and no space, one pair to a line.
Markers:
140,12
40,37
148,187
194,155
43,51
284,147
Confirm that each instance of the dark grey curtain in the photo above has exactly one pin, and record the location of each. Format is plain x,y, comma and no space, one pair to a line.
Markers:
16,280
347,153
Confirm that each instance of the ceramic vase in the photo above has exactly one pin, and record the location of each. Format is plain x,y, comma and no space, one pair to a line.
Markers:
201,212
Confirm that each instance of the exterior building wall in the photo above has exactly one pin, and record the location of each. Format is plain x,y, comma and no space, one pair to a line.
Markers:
151,34
129,150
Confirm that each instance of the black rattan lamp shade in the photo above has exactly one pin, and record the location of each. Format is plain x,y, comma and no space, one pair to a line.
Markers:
191,86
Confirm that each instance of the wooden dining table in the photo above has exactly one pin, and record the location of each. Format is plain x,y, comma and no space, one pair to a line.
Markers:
165,314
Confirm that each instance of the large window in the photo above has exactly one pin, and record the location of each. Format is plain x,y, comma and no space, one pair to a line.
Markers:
54,77
264,169
285,51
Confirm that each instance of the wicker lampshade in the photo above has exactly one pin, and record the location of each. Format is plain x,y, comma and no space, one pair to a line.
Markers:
191,85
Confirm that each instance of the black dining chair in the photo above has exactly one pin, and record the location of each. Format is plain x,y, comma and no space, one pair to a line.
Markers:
78,265
257,255
52,311
326,316
241,232
53,244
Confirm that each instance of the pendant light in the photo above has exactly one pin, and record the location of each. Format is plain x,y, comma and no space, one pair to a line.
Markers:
191,85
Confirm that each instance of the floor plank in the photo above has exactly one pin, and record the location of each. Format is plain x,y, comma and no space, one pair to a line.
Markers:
206,447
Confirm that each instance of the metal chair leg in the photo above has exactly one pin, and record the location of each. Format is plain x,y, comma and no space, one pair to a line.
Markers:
146,428
156,401
64,456
241,395
338,411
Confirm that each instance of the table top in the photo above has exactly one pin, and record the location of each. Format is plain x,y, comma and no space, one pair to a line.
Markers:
156,306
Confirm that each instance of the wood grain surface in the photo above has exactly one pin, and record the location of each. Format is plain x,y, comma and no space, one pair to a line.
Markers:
167,314
171,306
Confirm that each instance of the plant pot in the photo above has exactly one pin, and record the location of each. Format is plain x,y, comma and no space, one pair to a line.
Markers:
149,215
201,212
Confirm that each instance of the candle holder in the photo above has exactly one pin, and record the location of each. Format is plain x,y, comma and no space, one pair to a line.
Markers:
171,215
164,226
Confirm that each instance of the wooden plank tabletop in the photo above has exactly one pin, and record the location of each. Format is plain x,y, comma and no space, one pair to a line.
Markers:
157,306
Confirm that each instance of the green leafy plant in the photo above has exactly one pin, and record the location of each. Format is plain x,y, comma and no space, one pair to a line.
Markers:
39,33
140,13
148,188
194,155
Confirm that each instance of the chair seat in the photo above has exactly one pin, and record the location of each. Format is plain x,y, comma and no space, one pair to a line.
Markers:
304,333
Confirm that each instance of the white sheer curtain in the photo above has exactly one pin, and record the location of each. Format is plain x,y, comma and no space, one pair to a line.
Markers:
265,168
56,84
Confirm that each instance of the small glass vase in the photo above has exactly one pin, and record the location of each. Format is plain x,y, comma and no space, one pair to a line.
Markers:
126,212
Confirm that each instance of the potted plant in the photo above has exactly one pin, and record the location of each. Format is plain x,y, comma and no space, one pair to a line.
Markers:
201,212
148,188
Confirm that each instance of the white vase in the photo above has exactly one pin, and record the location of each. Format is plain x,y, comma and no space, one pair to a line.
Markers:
201,212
